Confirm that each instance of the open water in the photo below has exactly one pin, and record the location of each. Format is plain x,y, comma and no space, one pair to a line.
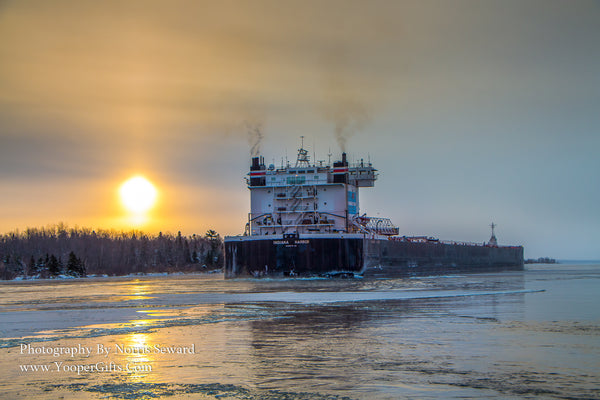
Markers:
531,334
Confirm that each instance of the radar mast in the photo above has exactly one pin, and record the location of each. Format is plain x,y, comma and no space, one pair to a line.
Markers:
302,161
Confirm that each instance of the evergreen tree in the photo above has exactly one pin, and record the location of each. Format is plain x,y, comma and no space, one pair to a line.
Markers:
42,267
186,252
105,252
53,266
211,234
213,255
75,266
32,268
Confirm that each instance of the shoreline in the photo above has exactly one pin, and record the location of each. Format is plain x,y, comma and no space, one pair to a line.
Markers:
62,278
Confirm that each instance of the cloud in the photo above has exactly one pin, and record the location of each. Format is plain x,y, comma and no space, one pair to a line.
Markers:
89,89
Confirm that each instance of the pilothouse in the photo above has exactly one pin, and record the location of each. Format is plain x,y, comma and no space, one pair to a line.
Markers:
309,198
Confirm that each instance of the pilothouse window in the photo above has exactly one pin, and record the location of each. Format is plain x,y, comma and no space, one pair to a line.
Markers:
296,180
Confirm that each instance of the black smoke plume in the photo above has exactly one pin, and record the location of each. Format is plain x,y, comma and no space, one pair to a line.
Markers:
255,136
349,116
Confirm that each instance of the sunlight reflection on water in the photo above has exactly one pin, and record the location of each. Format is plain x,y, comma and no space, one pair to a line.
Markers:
484,335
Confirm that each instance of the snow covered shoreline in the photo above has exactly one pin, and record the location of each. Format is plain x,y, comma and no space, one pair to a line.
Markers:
22,278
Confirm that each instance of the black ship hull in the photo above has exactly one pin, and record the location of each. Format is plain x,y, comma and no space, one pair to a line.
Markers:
360,255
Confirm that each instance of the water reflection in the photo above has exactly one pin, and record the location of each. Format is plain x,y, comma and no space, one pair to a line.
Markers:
138,291
355,345
308,348
295,336
139,357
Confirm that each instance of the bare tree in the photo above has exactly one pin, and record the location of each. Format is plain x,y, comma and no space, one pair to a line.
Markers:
37,252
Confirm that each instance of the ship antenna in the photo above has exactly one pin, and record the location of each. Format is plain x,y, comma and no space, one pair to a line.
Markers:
314,152
302,160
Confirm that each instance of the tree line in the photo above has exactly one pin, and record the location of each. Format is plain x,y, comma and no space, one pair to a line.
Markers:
60,250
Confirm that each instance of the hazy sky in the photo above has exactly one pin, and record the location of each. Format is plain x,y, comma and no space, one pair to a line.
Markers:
473,111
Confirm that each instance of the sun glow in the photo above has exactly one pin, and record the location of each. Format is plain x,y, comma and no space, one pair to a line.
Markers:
138,195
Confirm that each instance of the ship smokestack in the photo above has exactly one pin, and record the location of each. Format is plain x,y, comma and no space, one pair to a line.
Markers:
257,172
340,170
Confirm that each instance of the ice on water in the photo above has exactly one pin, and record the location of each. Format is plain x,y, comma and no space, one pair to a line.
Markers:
534,333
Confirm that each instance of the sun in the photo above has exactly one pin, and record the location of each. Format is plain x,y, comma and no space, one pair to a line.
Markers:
138,194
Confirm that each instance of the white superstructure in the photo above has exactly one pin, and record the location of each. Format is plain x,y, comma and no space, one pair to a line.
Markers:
310,198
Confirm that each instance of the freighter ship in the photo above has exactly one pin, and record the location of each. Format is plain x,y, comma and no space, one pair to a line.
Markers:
304,220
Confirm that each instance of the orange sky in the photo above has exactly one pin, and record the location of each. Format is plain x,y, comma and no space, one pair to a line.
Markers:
473,111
